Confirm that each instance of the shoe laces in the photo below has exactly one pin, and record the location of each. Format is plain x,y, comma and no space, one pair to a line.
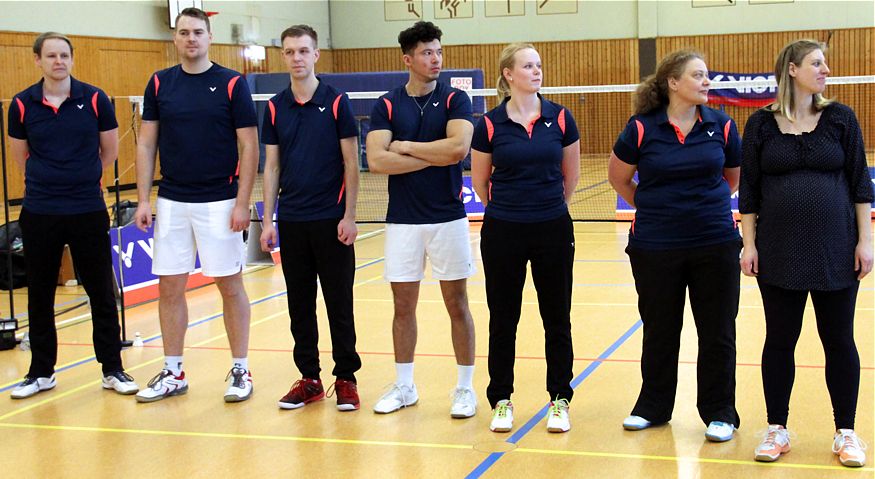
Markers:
344,389
27,381
848,440
121,376
300,386
771,439
392,388
237,374
461,395
558,406
502,407
155,382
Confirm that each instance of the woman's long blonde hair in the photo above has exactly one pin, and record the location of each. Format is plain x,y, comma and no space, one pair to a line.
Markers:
794,52
652,92
506,60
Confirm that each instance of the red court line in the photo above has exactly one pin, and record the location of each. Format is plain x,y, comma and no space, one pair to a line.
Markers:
444,355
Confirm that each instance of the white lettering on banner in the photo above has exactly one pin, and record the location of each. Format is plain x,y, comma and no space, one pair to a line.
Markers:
128,253
147,247
748,89
468,194
462,83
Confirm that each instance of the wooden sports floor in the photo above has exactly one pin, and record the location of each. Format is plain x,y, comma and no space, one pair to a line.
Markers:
80,430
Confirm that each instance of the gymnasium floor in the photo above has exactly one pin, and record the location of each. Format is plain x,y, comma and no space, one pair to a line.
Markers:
79,430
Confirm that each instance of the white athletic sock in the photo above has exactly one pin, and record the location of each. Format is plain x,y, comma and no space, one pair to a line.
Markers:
242,363
404,374
466,376
173,364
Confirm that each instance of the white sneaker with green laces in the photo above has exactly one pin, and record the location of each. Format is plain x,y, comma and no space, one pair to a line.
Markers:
557,416
502,416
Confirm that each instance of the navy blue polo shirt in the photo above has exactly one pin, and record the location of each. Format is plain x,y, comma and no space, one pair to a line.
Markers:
311,163
198,116
62,174
434,194
682,199
527,184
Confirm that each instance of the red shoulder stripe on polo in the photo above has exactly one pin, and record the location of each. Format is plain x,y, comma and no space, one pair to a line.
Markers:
20,110
342,188
157,83
94,104
231,87
449,98
388,107
490,128
336,106
640,127
726,132
561,120
272,112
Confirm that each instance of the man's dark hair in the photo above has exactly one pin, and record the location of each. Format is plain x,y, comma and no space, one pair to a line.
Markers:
194,13
421,31
296,31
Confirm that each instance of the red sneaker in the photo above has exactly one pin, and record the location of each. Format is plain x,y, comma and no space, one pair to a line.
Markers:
303,392
347,394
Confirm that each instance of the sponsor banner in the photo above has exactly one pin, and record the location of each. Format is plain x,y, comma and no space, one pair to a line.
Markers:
751,96
134,257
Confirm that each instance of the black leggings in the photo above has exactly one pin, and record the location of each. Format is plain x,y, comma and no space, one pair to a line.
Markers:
834,311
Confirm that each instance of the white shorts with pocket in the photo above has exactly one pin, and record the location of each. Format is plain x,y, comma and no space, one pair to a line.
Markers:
184,230
446,245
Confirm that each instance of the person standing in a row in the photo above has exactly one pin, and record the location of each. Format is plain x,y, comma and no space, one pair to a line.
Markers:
684,237
805,201
525,164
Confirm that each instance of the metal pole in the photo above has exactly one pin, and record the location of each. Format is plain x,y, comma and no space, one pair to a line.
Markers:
6,214
121,266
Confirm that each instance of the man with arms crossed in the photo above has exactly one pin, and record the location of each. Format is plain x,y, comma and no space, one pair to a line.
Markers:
311,150
419,134
195,113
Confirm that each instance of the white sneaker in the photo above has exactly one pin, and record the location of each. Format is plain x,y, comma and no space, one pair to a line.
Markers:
557,416
31,386
241,385
163,385
635,423
775,443
464,403
396,397
502,417
121,382
849,448
719,431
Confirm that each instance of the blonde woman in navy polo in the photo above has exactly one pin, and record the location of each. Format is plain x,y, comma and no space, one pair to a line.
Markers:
525,165
63,133
683,238
805,200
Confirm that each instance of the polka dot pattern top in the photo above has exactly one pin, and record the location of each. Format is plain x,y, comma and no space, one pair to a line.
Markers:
803,189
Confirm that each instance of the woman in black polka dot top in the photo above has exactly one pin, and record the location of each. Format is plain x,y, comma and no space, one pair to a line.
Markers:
805,199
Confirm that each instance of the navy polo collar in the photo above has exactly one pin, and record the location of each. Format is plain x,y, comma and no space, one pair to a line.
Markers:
318,96
35,92
705,115
548,110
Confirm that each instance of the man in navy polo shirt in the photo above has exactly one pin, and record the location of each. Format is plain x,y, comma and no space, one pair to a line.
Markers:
419,134
63,133
311,151
196,113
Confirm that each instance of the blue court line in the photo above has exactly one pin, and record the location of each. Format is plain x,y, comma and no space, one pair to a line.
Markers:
600,183
517,436
191,325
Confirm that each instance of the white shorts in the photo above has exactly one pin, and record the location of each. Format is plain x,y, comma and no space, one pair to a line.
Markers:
446,245
184,230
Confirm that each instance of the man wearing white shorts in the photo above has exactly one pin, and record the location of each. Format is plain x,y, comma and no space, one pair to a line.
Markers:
419,134
195,114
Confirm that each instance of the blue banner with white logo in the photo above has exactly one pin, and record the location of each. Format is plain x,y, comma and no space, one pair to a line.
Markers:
746,95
